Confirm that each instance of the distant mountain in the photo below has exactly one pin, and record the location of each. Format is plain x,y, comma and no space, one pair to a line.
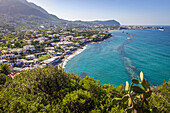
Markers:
22,7
22,13
108,22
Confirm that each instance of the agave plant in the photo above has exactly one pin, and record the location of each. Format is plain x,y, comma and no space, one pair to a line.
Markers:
137,94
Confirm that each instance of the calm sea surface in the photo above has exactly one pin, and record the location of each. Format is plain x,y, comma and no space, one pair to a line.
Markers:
118,59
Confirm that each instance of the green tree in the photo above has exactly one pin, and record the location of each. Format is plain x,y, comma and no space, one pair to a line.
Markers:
5,69
53,90
2,79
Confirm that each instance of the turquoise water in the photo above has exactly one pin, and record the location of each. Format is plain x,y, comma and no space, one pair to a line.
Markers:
118,59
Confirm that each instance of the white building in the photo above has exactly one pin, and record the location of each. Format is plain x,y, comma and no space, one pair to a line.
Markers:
78,38
29,47
62,38
7,56
28,42
30,57
2,33
69,38
41,40
39,35
17,50
65,43
56,35
51,60
49,32
94,36
49,48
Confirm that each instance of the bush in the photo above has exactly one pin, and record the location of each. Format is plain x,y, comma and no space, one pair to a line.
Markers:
53,90
3,78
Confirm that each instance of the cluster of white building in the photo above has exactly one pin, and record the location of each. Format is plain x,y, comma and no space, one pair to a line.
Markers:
7,56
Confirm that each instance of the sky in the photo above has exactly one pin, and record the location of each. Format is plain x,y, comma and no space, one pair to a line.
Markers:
127,12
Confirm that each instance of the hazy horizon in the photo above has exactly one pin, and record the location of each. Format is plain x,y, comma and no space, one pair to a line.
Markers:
141,12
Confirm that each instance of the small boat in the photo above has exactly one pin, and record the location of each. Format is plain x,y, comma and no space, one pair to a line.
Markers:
123,31
161,29
128,38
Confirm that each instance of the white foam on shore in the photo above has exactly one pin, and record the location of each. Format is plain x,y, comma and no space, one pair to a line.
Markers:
73,55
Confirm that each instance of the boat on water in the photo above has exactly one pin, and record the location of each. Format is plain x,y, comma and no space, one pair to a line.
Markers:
161,29
123,31
128,38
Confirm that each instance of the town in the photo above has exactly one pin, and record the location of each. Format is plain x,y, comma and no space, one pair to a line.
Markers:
31,48
28,49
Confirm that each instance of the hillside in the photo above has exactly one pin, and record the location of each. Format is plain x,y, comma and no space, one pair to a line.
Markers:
21,12
52,90
108,22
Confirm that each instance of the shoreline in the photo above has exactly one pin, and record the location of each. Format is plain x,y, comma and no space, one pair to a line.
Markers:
67,58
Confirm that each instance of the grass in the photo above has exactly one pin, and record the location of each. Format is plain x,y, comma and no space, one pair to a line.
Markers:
43,57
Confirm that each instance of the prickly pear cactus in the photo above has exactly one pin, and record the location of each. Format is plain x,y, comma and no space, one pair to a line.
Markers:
137,94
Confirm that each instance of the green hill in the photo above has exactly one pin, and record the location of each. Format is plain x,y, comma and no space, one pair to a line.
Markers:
108,22
53,90
21,12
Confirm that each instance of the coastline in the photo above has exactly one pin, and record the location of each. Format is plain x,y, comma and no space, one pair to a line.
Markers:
69,57
78,51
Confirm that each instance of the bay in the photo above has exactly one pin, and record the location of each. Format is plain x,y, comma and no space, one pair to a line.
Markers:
120,58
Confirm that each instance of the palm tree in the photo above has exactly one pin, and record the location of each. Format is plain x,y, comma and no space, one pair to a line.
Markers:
5,69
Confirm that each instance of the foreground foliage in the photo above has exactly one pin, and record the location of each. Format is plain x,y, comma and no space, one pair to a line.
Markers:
53,90
5,69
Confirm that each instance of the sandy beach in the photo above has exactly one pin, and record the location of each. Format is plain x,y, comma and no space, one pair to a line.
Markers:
66,58
69,57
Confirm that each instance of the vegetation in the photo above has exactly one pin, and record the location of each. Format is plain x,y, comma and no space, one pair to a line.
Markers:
3,79
137,95
53,90
5,69
43,57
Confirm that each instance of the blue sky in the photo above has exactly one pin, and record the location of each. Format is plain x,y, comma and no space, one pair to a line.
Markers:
127,12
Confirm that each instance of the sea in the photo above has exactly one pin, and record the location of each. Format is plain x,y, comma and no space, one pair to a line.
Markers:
124,55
